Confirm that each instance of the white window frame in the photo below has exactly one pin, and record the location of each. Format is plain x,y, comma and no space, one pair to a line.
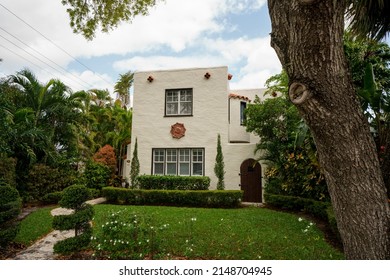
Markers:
192,156
155,155
178,98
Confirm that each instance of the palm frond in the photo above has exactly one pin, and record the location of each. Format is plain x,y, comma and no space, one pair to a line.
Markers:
369,18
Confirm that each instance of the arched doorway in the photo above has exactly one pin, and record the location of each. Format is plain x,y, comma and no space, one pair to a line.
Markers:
250,172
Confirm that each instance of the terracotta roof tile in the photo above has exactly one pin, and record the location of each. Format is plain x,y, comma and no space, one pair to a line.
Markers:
237,96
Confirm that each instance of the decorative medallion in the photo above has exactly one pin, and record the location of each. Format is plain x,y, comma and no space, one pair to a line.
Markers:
178,130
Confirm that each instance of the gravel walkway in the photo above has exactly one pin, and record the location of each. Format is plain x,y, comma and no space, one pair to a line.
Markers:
43,248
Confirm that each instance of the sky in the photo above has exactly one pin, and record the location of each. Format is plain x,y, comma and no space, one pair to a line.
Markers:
176,34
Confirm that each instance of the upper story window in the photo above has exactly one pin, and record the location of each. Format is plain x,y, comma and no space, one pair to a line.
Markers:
178,102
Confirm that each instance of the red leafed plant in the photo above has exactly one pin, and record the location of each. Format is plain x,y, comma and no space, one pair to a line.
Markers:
106,156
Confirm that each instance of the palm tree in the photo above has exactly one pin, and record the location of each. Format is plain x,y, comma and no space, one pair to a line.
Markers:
49,114
122,88
369,17
120,136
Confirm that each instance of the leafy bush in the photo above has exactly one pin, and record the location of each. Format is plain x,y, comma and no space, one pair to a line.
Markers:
215,199
43,179
7,171
74,197
106,156
52,198
154,182
10,205
316,208
96,175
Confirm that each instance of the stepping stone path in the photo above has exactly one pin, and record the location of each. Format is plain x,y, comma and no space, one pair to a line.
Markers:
43,248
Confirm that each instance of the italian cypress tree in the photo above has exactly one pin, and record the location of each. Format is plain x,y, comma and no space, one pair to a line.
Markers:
134,172
219,168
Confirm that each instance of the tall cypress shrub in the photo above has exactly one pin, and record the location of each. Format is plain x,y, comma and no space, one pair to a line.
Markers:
219,168
134,172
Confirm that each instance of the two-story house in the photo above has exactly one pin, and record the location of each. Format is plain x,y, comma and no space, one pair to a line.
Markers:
177,116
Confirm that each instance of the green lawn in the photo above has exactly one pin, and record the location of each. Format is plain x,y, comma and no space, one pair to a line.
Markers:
245,233
198,233
34,226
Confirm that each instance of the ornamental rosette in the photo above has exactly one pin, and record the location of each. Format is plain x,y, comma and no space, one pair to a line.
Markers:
178,130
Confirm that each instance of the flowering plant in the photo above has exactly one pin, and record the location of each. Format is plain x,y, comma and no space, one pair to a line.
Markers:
127,236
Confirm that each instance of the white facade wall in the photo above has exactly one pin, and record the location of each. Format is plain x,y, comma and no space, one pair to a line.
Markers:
210,117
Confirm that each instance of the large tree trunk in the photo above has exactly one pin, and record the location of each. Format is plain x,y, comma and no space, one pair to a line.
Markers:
307,37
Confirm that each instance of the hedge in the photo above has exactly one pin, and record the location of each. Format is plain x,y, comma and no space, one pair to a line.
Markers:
156,182
322,210
212,199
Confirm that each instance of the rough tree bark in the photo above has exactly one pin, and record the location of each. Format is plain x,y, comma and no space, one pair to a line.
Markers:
307,37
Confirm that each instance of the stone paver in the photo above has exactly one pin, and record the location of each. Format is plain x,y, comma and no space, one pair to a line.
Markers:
43,248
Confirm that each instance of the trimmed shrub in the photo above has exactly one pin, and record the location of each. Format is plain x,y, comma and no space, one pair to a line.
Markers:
10,206
74,197
80,217
294,203
55,197
73,244
212,199
97,175
155,182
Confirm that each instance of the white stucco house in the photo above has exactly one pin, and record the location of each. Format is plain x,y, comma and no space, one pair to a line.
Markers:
177,116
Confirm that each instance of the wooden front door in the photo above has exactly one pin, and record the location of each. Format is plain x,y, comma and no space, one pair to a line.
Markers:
250,172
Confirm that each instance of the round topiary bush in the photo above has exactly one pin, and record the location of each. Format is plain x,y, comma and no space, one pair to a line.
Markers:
10,206
74,197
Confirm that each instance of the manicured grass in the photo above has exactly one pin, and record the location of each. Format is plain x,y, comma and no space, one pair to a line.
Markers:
34,226
245,233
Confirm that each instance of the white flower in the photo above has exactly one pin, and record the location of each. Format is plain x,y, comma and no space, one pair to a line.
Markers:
300,219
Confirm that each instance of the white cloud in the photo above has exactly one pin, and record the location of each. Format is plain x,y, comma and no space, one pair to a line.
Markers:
252,60
143,63
176,34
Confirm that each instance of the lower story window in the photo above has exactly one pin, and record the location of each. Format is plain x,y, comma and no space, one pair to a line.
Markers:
184,162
